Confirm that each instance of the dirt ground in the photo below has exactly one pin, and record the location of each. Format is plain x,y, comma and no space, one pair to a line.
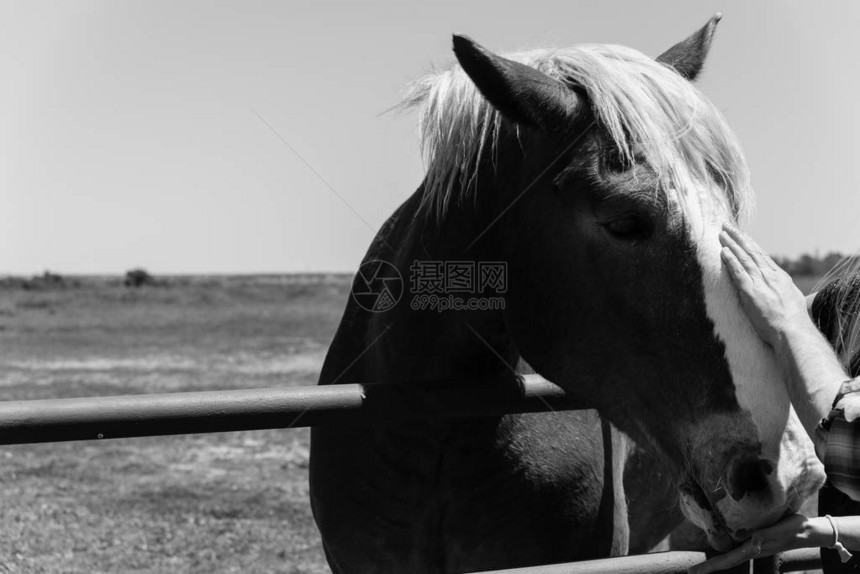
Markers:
231,502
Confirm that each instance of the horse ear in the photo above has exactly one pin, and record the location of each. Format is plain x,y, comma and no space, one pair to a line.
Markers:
521,93
688,56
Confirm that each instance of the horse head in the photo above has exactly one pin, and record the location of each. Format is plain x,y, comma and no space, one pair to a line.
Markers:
604,177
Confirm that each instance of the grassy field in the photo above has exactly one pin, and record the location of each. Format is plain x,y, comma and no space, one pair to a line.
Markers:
235,502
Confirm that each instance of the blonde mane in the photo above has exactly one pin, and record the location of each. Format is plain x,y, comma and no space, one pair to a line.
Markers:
639,103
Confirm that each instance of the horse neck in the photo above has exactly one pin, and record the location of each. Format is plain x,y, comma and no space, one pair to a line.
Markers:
421,345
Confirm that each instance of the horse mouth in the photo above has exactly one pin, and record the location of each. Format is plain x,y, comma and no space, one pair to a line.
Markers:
706,516
713,524
692,489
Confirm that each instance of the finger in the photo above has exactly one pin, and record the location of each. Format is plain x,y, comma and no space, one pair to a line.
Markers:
749,245
764,260
739,555
776,277
738,274
740,238
767,264
771,263
742,256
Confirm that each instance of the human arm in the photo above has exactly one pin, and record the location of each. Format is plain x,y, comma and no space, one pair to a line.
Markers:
813,375
778,311
795,531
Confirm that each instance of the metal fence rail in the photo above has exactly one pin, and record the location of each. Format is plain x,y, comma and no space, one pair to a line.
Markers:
791,561
58,420
658,563
675,562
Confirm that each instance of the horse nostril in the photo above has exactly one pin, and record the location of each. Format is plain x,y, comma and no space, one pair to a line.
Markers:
748,474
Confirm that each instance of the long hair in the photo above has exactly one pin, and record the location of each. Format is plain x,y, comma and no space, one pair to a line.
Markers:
836,310
644,106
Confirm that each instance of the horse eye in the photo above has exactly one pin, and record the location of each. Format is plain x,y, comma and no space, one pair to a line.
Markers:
627,228
614,163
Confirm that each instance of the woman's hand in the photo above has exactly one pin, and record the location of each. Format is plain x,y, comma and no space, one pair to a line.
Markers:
777,310
773,303
795,531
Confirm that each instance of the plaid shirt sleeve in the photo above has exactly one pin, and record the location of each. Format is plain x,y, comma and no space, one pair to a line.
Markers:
839,432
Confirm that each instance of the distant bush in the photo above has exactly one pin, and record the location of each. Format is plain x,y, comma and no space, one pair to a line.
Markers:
46,281
809,265
139,278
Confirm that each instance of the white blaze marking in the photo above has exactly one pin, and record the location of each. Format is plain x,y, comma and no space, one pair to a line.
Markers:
759,385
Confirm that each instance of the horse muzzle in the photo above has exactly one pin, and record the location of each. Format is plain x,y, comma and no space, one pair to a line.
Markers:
752,493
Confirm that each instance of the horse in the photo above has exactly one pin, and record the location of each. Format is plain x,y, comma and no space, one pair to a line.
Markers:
599,179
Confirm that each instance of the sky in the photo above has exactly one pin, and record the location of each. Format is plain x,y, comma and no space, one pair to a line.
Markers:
250,137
